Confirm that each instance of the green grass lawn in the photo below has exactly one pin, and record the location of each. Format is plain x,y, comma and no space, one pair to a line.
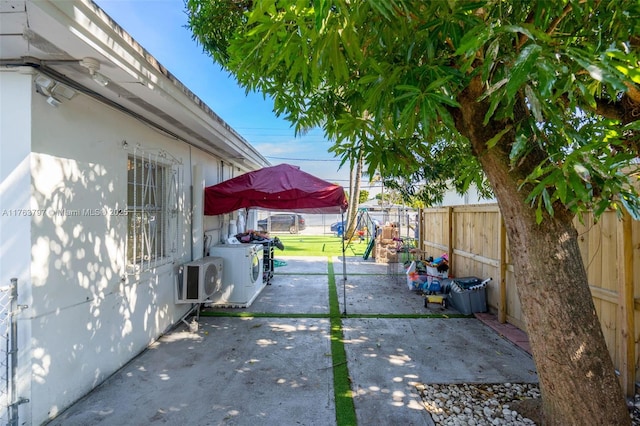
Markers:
317,245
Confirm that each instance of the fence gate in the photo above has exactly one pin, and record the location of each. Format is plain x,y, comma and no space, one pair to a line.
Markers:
9,354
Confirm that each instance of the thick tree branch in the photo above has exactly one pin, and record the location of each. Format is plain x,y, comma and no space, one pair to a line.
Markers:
633,93
567,9
523,37
627,109
554,24
613,111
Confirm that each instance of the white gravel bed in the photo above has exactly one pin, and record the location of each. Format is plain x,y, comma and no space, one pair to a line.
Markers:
481,404
486,404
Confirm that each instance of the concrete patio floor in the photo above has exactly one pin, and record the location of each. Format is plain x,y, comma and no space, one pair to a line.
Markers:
273,365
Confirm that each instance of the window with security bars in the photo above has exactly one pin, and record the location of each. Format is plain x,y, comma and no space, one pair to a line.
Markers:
152,210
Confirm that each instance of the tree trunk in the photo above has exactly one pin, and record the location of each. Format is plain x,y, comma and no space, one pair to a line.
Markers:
354,200
576,373
577,377
352,189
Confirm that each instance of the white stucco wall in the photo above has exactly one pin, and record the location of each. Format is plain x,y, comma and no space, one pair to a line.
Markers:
86,317
15,222
15,180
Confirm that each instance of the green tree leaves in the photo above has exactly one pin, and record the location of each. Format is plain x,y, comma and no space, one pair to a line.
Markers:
389,77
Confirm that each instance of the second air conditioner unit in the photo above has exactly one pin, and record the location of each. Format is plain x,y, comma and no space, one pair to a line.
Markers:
201,279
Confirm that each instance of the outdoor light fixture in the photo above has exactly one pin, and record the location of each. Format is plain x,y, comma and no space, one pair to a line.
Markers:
93,65
63,91
53,90
100,79
53,101
43,84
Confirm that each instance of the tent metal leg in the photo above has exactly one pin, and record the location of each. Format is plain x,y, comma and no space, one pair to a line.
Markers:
344,273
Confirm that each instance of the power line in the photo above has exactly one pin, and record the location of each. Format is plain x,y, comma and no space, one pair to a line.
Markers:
300,159
282,129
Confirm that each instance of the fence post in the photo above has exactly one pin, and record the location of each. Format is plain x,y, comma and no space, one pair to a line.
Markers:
421,230
451,236
502,282
626,304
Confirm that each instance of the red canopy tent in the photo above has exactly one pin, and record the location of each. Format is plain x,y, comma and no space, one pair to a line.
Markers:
281,187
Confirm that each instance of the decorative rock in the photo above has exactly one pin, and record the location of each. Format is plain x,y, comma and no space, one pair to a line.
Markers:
476,405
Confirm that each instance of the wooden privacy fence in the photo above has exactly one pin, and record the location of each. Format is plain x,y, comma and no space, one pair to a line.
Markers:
474,237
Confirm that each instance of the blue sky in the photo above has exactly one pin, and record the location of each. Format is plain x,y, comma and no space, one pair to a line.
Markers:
159,26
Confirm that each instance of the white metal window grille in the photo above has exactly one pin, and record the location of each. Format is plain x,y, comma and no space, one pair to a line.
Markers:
153,184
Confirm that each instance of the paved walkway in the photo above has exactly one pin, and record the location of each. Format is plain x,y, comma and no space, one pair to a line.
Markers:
292,356
506,330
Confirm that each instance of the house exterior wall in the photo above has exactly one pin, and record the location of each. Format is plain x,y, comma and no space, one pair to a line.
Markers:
88,313
15,187
217,228
15,177
213,225
452,198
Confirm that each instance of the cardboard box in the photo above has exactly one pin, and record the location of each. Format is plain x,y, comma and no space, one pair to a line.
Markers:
386,256
389,232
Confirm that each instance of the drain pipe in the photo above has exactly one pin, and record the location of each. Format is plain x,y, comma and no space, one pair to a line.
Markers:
197,212
12,346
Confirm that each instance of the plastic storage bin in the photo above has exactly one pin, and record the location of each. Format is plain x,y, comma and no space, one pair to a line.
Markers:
468,301
411,283
468,282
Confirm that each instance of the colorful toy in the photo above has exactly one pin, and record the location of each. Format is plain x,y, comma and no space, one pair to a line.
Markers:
440,299
434,287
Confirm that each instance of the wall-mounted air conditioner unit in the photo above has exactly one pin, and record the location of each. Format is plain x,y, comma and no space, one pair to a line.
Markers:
201,279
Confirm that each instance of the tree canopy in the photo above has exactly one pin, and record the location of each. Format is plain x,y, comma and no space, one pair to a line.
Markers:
386,77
